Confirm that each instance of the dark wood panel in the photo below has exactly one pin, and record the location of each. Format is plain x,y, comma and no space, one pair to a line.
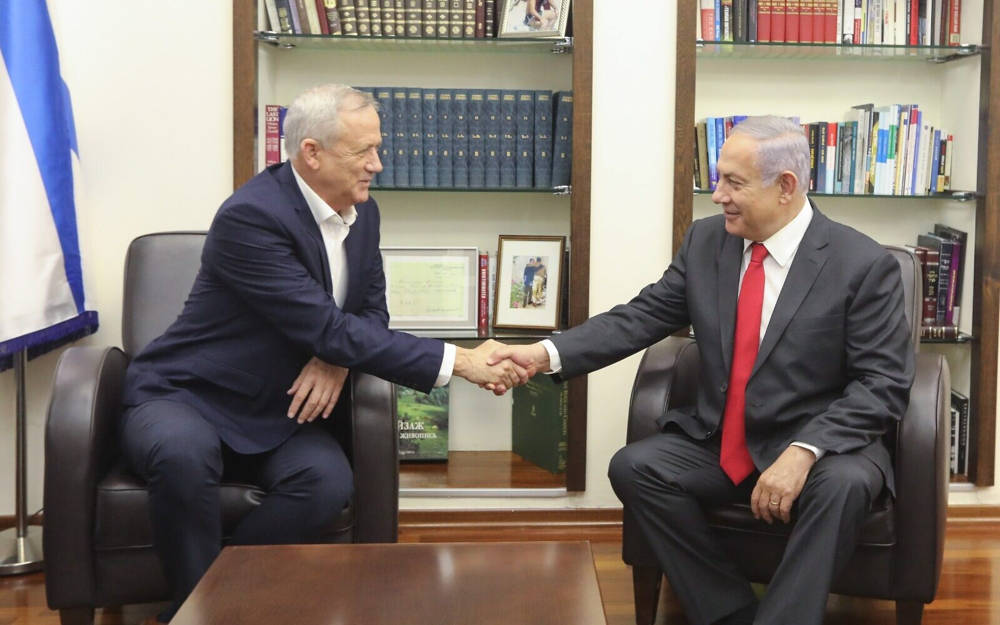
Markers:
684,94
478,469
601,525
986,279
579,288
244,90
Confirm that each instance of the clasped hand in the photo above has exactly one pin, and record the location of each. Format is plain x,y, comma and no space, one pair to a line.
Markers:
482,367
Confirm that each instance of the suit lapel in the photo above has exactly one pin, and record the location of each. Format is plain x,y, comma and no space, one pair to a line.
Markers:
729,261
316,249
809,260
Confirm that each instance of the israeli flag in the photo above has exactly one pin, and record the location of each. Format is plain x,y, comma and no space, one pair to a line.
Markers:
42,304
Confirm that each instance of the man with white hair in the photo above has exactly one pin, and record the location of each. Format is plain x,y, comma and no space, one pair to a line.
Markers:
805,363
290,296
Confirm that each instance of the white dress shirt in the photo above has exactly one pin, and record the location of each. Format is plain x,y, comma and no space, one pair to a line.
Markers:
334,227
781,248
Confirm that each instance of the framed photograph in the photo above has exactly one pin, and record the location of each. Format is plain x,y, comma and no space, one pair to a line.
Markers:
529,279
431,288
533,18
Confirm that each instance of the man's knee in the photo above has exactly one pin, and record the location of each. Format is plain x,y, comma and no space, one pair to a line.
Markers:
623,471
844,481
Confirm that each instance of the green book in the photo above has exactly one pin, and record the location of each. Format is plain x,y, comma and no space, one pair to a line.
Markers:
423,424
540,414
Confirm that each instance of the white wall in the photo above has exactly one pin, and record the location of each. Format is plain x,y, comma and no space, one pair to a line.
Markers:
152,96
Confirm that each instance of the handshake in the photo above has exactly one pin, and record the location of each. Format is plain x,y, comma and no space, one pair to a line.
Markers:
497,367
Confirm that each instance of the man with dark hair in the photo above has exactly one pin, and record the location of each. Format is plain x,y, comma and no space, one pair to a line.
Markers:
805,363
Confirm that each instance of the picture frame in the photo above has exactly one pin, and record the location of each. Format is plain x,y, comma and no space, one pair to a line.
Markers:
431,288
528,292
548,19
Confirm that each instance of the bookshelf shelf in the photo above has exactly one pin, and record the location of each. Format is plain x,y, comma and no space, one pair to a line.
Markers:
954,196
961,338
557,191
561,45
473,335
731,50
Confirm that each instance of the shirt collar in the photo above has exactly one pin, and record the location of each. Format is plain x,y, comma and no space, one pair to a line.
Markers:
782,244
321,211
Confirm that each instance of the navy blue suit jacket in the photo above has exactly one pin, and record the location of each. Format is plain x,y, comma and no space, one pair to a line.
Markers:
261,307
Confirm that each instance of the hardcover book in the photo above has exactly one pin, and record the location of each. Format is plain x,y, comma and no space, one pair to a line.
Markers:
468,19
960,239
415,130
423,424
539,420
456,19
414,18
348,17
443,17
361,14
388,18
508,138
477,139
460,114
430,128
543,139
525,139
445,138
400,139
492,127
429,18
562,149
375,17
333,17
385,178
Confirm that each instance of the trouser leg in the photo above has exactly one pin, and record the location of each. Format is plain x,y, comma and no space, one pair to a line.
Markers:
308,482
829,515
664,481
178,454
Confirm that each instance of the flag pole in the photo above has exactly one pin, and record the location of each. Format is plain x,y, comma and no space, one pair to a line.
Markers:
21,545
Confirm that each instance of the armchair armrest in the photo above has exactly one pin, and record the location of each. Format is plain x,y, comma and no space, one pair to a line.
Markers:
667,377
922,479
375,441
80,446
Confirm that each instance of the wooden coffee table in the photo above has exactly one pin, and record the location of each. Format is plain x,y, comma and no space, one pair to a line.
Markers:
534,583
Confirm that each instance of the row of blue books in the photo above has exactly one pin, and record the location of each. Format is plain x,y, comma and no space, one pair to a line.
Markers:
474,138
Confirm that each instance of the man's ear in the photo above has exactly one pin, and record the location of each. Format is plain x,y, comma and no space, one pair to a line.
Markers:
788,182
309,150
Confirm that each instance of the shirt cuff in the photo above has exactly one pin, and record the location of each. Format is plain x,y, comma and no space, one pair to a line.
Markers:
447,365
819,453
555,364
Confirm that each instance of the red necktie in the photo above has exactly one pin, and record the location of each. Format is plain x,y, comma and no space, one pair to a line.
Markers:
734,456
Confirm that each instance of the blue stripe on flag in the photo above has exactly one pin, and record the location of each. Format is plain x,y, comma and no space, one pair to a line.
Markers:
29,50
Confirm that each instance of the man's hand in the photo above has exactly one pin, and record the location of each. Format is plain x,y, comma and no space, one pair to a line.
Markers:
316,390
533,358
780,484
499,376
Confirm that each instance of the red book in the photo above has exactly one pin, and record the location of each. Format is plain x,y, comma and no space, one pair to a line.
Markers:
955,23
484,295
806,21
708,24
914,23
830,34
324,23
819,21
272,139
764,21
778,20
793,11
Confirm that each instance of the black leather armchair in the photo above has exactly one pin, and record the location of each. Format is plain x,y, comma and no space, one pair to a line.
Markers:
899,554
97,532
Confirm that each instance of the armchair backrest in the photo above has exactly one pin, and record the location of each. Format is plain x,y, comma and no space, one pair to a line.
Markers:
912,290
159,271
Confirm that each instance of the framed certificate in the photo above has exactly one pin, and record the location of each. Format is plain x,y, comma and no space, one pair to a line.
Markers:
431,288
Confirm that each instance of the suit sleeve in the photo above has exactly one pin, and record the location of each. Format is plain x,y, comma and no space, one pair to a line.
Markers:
879,366
251,252
657,311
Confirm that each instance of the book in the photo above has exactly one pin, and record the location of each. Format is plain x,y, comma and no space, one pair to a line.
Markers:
442,18
562,149
284,15
491,123
362,16
955,23
312,16
456,19
480,29
446,128
400,139
423,424
543,139
414,18
491,11
429,18
399,10
713,172
945,248
388,18
298,20
460,149
272,147
468,19
525,120
508,139
707,22
539,417
740,20
383,95
960,404
348,18
483,322
430,128
831,156
415,130
793,20
477,139
283,154
947,333
701,137
273,23
960,240
332,17
375,17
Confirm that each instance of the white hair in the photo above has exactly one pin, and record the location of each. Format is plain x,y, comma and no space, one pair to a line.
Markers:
781,146
315,114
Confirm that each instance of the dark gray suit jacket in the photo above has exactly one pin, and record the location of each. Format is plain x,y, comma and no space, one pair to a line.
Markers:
834,368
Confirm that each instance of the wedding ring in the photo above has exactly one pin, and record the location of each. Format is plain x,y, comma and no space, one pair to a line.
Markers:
775,503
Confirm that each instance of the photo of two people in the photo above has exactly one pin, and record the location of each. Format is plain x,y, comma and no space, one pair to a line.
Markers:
528,285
